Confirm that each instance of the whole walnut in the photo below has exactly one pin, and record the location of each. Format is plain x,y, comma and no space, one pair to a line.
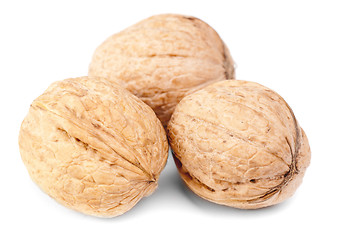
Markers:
163,58
237,143
93,147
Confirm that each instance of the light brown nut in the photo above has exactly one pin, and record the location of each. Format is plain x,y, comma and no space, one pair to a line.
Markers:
163,58
237,143
93,147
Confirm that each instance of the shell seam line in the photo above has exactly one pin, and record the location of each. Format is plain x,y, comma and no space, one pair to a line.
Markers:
42,107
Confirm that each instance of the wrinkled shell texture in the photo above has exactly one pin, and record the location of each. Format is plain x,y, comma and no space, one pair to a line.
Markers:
92,146
162,59
238,143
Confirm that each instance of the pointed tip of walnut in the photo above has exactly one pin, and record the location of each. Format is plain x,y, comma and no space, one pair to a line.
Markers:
238,143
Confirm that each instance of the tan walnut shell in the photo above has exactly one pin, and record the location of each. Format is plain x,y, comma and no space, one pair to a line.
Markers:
163,58
237,143
93,147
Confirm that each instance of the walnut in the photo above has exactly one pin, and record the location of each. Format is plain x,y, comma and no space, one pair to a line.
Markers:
92,146
163,58
238,143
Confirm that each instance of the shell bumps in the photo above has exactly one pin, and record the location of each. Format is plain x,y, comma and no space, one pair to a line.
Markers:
238,143
162,59
92,146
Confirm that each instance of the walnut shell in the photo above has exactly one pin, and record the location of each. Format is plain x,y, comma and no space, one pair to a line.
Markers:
238,143
163,58
92,146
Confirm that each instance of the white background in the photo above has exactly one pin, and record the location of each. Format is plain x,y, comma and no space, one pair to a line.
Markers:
301,49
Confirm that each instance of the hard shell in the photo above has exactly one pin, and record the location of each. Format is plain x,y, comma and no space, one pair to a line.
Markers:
162,59
238,143
93,146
